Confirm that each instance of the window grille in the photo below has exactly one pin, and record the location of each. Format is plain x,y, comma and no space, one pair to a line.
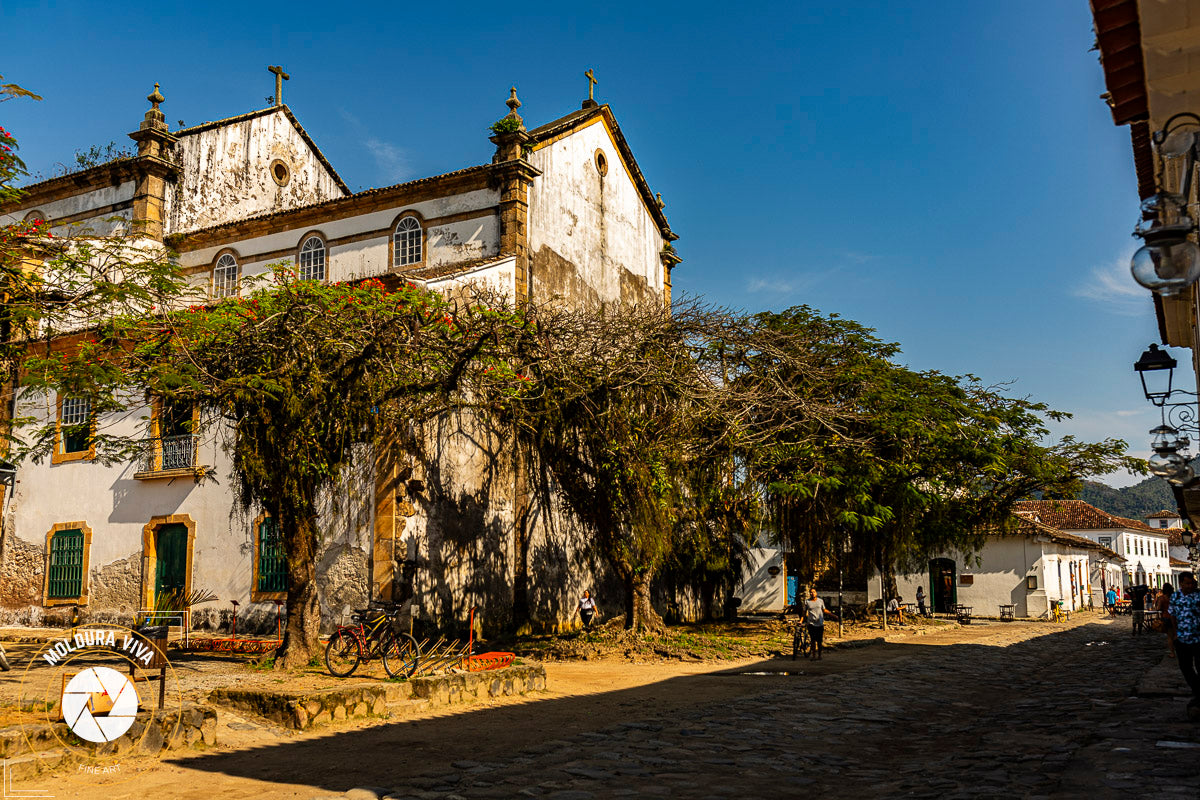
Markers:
408,242
75,421
65,577
272,563
312,259
225,277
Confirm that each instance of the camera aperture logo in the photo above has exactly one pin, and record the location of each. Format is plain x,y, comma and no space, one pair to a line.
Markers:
89,683
99,704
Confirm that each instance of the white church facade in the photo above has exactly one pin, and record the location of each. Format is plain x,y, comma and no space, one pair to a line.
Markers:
561,213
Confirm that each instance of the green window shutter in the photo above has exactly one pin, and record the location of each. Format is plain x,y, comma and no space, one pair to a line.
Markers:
66,564
272,564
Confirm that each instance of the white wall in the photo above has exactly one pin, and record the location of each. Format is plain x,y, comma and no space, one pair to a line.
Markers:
116,506
760,590
589,236
446,244
225,173
104,224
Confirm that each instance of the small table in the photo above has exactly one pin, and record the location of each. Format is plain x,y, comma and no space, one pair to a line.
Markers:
963,613
1008,612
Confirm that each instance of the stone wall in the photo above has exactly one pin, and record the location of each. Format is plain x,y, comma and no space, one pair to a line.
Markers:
303,710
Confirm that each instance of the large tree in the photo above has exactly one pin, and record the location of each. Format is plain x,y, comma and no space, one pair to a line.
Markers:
634,413
929,463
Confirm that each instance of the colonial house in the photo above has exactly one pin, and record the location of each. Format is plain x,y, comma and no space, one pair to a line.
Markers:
559,212
1164,520
1145,548
1028,567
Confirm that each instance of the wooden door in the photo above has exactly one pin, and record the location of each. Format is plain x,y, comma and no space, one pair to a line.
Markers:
170,572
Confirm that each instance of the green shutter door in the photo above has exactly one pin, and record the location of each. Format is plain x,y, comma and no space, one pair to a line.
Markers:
66,564
272,566
170,574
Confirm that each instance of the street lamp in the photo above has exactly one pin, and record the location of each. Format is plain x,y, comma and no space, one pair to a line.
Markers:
1169,262
1153,368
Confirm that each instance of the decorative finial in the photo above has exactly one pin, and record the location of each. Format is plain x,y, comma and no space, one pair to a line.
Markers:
512,102
658,199
280,77
155,97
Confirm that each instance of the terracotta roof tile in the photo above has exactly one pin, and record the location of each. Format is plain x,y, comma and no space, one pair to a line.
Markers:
1029,525
1076,515
1164,514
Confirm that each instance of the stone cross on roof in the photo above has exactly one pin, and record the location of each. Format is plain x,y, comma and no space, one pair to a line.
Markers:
280,77
591,83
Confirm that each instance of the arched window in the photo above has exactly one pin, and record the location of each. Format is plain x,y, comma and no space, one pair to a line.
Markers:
34,216
311,262
225,277
407,242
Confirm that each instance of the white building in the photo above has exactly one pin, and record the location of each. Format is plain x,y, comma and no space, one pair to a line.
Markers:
1028,568
561,212
1146,549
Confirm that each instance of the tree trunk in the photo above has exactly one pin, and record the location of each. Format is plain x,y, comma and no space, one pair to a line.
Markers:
708,595
640,615
301,634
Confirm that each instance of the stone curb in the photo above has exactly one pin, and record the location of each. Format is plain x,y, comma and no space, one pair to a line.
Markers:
35,747
300,710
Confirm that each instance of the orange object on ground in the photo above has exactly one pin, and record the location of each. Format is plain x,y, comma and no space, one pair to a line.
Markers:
485,661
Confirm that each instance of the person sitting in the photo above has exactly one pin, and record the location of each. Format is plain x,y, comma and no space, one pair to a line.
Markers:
893,607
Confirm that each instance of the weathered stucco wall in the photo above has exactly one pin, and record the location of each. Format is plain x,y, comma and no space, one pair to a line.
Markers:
358,246
92,212
591,237
116,507
225,172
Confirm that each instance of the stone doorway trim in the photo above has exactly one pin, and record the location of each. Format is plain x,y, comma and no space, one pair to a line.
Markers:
150,553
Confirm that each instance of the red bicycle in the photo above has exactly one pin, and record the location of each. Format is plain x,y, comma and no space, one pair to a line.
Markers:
373,634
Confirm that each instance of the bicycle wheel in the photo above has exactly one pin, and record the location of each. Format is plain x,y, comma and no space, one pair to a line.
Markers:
402,656
342,654
4,666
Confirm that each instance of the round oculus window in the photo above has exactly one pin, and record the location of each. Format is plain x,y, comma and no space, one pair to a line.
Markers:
601,163
280,172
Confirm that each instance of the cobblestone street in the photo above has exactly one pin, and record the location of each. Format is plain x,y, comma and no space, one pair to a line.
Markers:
991,710
1052,716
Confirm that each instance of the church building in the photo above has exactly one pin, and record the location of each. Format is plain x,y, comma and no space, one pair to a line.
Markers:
560,213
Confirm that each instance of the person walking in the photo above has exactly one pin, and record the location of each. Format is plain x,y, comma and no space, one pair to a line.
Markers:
1184,610
921,601
1163,605
814,620
587,609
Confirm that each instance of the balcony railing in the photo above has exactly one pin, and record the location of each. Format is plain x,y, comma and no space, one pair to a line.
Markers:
169,453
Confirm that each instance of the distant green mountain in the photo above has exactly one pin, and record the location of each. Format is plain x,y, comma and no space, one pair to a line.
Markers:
1135,502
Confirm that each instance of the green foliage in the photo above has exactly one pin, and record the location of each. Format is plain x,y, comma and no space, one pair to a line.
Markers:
1137,501
929,463
96,155
505,125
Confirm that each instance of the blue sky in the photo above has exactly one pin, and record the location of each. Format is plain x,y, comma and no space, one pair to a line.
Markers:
943,172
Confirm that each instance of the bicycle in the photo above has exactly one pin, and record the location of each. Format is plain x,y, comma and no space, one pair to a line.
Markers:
4,665
801,642
373,635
